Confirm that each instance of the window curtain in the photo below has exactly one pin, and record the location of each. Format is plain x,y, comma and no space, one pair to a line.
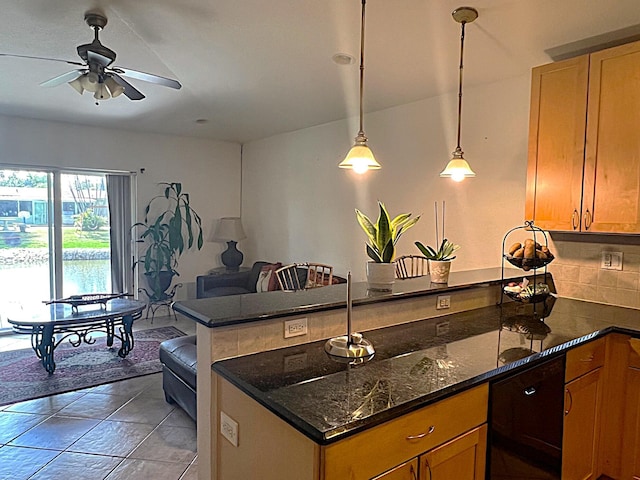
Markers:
119,197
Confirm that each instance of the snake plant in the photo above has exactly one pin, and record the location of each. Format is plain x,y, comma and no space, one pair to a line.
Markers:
384,234
445,252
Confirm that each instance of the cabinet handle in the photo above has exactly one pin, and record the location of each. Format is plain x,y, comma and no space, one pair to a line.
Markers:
587,219
413,473
588,359
568,392
529,391
426,462
574,219
423,434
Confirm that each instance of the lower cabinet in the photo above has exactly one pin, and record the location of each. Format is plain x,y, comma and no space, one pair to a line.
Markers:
406,471
631,434
463,458
581,427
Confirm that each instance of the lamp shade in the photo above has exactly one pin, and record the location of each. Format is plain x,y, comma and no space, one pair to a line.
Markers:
114,87
457,169
360,159
229,229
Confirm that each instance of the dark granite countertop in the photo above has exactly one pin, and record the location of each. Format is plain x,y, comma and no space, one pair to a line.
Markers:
416,364
235,309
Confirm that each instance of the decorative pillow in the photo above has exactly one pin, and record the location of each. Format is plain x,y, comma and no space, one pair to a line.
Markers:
267,279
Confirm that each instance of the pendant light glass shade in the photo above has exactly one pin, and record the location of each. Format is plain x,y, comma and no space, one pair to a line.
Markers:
360,157
458,169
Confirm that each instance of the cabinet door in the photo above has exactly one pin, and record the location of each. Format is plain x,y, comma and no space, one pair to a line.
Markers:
406,471
581,427
612,166
631,436
463,458
556,144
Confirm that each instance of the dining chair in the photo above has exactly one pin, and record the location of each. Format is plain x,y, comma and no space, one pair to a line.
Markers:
411,266
318,275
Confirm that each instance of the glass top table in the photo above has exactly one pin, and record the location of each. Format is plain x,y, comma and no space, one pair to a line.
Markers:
49,325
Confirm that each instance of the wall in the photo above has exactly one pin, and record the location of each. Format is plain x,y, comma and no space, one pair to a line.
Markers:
577,271
209,170
299,206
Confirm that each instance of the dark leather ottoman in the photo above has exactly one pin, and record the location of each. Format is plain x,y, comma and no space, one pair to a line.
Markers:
178,357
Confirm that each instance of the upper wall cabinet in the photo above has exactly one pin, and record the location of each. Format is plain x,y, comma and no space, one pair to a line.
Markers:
584,143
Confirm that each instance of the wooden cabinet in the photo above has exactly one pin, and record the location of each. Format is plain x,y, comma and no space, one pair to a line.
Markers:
463,458
556,144
450,435
605,164
581,427
406,471
582,407
631,434
380,448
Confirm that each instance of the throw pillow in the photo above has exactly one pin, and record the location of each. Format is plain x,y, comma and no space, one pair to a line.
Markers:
267,279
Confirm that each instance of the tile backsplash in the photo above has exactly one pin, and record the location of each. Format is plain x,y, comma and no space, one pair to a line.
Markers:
578,274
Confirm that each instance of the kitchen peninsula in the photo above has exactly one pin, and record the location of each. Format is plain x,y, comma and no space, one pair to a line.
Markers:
244,324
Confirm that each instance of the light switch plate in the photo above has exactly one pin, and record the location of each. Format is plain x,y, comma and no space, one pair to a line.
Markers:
611,261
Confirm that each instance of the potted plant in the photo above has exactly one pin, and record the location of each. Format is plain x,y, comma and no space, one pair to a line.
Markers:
439,260
383,236
170,227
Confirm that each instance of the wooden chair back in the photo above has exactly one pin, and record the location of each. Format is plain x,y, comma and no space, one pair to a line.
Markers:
288,278
318,275
411,266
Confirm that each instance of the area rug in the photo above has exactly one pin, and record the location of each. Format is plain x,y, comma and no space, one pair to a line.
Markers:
22,376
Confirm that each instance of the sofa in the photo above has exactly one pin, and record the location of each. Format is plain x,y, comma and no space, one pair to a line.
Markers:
237,283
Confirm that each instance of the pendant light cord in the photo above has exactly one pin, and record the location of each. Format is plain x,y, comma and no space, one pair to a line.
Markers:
460,83
361,132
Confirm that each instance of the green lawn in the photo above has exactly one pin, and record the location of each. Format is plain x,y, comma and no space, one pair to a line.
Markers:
36,237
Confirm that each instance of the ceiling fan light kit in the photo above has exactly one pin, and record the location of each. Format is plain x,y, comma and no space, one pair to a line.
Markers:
97,74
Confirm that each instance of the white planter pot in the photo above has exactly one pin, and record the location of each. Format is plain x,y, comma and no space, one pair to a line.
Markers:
381,276
439,270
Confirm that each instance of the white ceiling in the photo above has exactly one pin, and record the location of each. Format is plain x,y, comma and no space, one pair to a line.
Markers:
255,68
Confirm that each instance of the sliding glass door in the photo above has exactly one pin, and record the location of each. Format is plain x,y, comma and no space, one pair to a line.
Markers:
55,236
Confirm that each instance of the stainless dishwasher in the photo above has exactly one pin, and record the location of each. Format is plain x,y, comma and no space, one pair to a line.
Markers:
526,415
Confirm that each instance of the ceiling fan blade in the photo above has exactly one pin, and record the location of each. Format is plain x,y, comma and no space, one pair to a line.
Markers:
148,77
95,57
64,78
129,90
42,58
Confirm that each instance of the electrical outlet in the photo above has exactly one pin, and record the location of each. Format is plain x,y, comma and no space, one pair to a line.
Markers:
296,327
229,428
611,261
443,302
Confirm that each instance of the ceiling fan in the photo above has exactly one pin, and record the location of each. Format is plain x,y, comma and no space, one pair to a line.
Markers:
96,74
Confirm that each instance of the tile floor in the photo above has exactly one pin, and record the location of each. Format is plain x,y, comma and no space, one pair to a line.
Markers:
122,430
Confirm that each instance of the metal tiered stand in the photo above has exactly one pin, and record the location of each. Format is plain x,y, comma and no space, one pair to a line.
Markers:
536,299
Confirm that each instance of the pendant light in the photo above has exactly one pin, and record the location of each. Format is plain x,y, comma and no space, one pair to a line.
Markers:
458,169
360,158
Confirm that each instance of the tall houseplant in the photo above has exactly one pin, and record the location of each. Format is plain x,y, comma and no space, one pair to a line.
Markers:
383,236
170,227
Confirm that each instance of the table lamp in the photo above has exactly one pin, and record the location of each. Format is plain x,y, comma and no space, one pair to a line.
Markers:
229,229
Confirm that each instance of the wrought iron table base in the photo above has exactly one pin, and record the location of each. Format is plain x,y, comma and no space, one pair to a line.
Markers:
44,342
